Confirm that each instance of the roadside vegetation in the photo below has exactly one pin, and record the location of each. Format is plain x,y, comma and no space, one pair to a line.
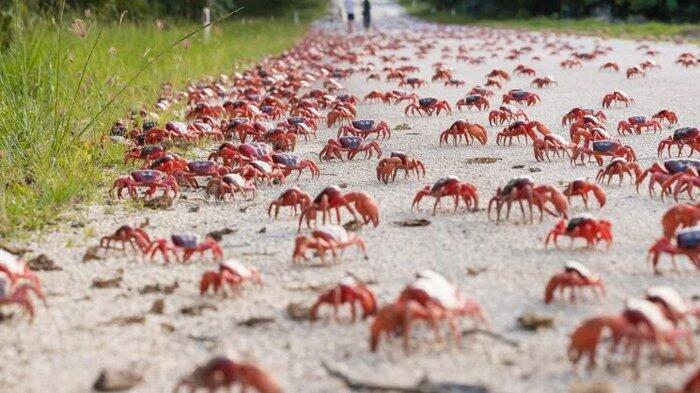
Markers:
60,71
657,30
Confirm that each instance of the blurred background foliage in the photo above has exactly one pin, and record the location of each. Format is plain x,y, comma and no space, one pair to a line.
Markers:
658,10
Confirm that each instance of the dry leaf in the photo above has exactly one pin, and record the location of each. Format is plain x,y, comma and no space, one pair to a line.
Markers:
112,51
594,387
197,309
160,24
79,28
534,321
158,306
218,235
352,226
91,254
413,222
128,320
159,203
42,262
483,160
254,321
107,282
402,127
158,288
298,312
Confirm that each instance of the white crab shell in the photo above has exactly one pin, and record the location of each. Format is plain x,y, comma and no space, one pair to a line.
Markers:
262,166
335,231
238,267
12,262
580,269
348,281
437,287
651,311
669,296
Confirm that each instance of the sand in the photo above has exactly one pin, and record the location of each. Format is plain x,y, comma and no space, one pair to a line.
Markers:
77,335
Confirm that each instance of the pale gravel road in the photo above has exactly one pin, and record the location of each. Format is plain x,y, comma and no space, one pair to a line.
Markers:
69,342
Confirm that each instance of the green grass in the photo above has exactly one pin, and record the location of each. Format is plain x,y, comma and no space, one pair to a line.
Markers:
49,159
646,30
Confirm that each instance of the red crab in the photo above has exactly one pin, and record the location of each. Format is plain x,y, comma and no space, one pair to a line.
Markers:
17,269
641,322
151,179
611,66
686,242
659,173
571,63
365,128
521,128
413,82
348,291
463,129
300,125
352,145
619,166
600,149
473,100
169,164
682,215
197,169
635,71
134,236
617,96
523,188
480,90
543,81
636,123
450,186
378,96
428,106
19,295
667,115
686,136
400,96
524,70
287,163
221,372
388,167
324,238
146,153
505,113
339,115
432,298
242,153
584,226
291,197
332,198
260,171
581,187
574,276
551,142
498,73
579,113
674,307
232,274
186,243
521,97
229,184
683,181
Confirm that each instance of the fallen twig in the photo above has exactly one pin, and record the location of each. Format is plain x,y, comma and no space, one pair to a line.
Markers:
424,386
495,336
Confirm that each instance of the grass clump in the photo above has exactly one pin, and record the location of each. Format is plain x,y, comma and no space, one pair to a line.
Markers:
636,30
57,74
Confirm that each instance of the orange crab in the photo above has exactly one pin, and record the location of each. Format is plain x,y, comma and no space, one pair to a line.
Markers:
222,372
464,129
388,167
450,186
293,197
584,226
581,187
232,274
574,276
324,238
347,291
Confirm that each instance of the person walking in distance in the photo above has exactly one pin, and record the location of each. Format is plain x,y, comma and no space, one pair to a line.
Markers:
350,9
366,14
